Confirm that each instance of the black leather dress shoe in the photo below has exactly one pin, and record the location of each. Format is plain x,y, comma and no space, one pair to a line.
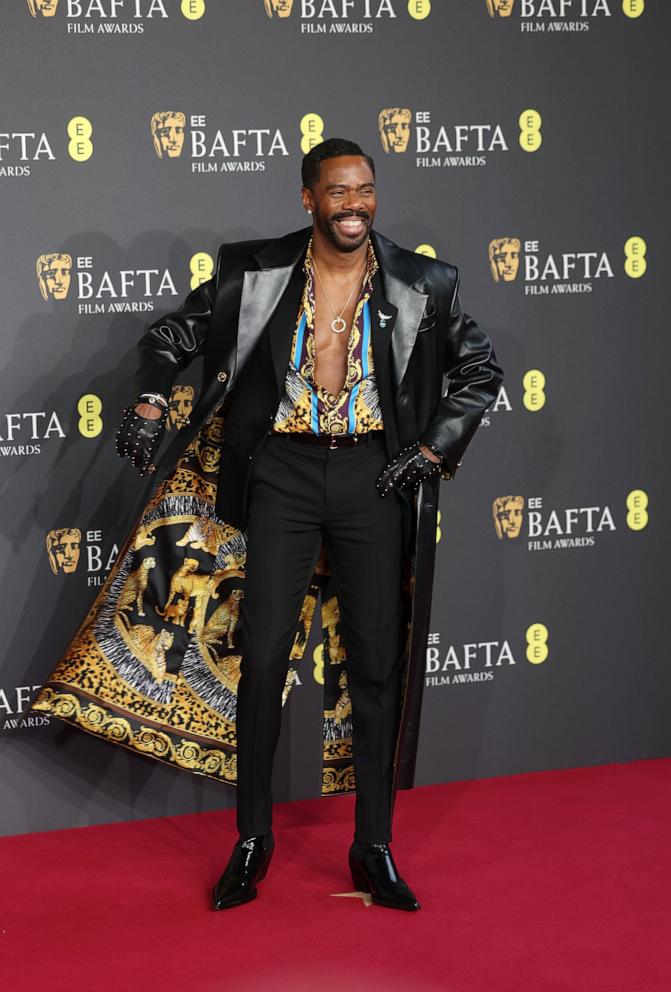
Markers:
373,870
247,865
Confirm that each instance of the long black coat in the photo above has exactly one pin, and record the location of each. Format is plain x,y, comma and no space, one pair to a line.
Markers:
242,320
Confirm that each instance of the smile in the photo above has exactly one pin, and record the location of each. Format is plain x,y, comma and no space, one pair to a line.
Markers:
352,225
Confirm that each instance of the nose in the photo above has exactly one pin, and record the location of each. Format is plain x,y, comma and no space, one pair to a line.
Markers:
353,200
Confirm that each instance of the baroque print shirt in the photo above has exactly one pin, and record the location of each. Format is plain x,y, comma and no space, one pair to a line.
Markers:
308,406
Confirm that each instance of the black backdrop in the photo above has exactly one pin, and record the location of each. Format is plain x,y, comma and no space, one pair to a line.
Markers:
525,143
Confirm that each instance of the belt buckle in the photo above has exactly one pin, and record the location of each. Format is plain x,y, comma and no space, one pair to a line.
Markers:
334,443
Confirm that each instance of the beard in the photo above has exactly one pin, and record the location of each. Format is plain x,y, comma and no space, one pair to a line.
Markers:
341,239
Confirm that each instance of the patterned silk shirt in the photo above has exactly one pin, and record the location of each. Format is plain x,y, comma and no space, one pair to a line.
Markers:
308,406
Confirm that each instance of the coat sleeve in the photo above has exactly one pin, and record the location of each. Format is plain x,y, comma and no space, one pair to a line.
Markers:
474,378
175,339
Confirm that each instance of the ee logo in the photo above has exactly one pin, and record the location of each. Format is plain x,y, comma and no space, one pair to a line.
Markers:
633,8
419,9
312,130
634,257
80,146
201,267
318,658
89,409
439,531
530,130
637,509
537,643
427,250
534,390
193,9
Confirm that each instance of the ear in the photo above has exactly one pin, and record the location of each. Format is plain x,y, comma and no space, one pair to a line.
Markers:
307,199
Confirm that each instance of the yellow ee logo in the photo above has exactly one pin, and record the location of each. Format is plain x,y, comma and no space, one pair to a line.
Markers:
419,9
634,257
530,130
427,250
193,9
633,8
439,531
318,658
534,390
637,509
312,128
537,643
201,267
89,409
80,146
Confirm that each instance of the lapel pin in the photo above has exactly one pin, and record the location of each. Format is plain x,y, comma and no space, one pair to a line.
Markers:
383,318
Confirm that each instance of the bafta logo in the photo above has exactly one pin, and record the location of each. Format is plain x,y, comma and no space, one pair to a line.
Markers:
504,258
167,131
47,8
180,406
54,271
63,549
394,124
278,8
508,513
499,8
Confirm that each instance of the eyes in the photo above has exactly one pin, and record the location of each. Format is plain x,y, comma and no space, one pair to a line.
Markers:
340,191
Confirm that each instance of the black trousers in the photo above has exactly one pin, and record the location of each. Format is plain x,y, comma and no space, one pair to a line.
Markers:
299,495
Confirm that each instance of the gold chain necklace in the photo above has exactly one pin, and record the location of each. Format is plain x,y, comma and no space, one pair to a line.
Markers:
338,325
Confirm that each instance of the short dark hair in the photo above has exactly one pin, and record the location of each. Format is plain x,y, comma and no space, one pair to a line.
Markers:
331,148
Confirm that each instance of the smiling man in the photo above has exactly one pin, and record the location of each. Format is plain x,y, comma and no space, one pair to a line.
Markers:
328,352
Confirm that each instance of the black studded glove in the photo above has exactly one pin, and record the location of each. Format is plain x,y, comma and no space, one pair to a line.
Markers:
407,470
138,437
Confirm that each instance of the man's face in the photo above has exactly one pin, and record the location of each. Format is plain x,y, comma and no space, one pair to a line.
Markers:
63,547
506,260
500,8
343,201
280,7
509,516
55,276
169,136
395,130
180,406
47,8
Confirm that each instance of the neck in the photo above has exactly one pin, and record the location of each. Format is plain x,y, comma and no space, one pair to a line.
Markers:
330,257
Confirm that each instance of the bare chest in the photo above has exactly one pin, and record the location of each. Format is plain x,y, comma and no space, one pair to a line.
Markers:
331,349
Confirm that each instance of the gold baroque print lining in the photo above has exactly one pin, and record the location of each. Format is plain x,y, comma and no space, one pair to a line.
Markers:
156,662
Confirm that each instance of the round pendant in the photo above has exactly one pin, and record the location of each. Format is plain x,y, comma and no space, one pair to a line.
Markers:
338,325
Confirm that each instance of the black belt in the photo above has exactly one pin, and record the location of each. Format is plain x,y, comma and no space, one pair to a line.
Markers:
330,440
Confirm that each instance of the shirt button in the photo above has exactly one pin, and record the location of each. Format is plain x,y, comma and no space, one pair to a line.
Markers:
222,376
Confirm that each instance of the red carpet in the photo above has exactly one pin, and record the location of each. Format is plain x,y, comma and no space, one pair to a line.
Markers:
541,882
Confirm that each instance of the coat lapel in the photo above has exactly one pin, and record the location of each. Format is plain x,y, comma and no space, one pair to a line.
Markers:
399,276
266,295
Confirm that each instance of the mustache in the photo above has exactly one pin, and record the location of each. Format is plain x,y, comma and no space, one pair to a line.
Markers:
351,213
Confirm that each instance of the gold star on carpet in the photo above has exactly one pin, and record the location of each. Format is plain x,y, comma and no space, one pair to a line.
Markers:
366,896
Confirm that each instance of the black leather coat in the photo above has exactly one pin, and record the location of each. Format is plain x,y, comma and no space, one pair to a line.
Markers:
242,321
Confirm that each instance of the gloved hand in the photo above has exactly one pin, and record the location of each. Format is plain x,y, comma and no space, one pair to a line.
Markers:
138,437
407,470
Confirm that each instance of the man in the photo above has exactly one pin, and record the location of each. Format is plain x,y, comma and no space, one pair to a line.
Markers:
334,416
